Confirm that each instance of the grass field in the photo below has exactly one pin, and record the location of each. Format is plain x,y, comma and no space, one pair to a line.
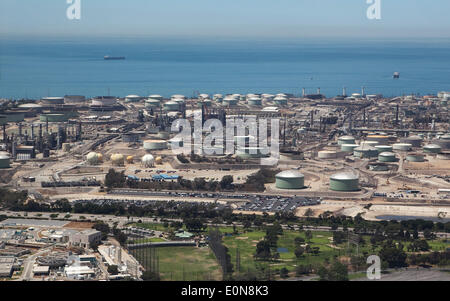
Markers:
186,264
245,241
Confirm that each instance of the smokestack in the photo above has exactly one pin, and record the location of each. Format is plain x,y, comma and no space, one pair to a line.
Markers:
363,91
46,125
40,131
20,129
344,91
303,92
32,132
396,114
318,90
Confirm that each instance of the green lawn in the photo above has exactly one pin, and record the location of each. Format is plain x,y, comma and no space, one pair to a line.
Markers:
185,263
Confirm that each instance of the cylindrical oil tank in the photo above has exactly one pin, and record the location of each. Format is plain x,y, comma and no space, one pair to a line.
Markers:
381,139
281,101
4,160
52,100
349,148
104,101
172,106
218,97
150,145
415,141
74,99
132,98
387,157
152,103
344,181
178,96
432,149
229,101
156,96
404,147
445,155
415,157
365,152
53,118
346,140
163,135
254,101
326,154
444,144
291,155
369,143
383,148
289,179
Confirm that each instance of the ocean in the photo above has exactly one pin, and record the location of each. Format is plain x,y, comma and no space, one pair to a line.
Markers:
34,68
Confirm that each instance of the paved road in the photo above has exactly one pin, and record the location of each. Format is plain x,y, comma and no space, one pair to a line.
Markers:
28,263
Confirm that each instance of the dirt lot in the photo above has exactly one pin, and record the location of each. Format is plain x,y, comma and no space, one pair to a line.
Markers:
79,225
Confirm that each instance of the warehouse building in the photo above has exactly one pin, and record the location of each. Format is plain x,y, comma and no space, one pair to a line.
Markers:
86,238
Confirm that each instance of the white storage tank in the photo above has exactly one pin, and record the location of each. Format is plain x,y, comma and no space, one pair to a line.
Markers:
133,98
432,149
148,161
327,154
53,100
402,147
346,140
151,145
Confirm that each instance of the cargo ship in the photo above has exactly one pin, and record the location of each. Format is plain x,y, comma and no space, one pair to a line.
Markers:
107,57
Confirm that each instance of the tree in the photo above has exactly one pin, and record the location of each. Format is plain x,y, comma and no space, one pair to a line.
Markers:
263,250
336,272
114,179
308,235
299,252
227,182
284,273
395,257
150,276
299,240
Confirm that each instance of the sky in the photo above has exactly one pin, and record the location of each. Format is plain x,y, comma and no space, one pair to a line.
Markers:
227,18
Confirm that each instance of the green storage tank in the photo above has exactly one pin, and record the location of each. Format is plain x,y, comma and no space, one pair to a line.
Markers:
290,179
387,157
344,182
4,160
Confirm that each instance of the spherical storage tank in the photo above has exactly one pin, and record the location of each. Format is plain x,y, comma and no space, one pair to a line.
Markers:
92,158
117,159
415,157
290,179
432,149
150,145
4,160
130,159
346,140
387,157
344,181
402,146
348,147
148,160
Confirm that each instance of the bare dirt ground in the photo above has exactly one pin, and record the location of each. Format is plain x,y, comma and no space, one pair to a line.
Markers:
79,225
